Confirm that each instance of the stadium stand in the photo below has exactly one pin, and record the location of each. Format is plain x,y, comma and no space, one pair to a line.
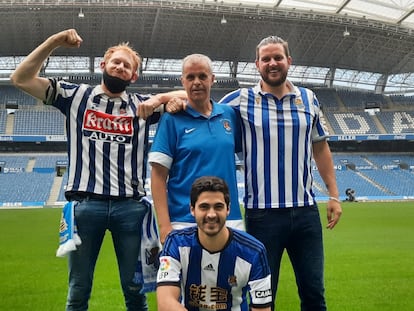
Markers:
358,100
351,179
48,161
352,123
402,102
372,175
29,179
386,161
13,163
61,195
3,121
39,122
25,187
350,159
328,99
9,95
395,182
397,122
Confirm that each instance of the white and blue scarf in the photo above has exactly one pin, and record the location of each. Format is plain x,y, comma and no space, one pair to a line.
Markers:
68,232
148,259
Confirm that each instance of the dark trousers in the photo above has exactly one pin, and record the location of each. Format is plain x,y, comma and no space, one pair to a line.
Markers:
299,231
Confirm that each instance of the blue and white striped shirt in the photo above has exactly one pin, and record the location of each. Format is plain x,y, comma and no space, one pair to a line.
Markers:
107,143
277,145
220,280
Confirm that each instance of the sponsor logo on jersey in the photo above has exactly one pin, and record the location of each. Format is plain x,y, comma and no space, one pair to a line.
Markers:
99,125
263,293
205,297
209,267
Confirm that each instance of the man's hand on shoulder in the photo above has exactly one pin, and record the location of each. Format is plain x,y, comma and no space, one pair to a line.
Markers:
175,105
147,108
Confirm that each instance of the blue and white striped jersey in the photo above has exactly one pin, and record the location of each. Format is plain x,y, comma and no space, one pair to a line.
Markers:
277,145
107,143
216,281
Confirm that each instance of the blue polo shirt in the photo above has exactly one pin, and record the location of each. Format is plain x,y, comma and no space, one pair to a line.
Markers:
192,145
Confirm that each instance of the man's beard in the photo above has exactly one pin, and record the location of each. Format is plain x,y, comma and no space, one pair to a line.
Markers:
274,83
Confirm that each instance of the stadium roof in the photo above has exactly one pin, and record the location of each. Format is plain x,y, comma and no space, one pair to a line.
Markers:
374,36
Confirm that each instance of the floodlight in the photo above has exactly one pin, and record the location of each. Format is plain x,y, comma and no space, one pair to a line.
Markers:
346,32
80,14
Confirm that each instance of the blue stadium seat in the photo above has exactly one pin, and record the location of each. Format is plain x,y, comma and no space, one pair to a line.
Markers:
9,95
39,122
3,121
397,122
352,123
25,187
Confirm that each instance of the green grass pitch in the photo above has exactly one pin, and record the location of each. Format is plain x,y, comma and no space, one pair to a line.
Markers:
369,262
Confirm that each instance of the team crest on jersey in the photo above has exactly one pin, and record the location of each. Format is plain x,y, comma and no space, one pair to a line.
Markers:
299,102
98,125
227,125
258,100
232,280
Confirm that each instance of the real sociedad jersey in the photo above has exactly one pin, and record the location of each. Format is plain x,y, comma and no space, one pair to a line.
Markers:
216,281
107,143
277,140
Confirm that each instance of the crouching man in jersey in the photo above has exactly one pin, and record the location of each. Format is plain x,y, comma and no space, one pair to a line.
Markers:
211,266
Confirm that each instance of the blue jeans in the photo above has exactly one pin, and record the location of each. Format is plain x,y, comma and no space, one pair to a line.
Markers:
299,231
93,217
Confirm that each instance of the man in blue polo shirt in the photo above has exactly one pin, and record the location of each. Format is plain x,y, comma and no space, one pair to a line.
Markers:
201,140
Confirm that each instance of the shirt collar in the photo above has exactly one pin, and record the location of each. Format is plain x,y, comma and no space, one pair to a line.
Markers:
217,110
294,91
98,90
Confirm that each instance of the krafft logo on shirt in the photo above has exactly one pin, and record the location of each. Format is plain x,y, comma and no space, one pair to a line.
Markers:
98,125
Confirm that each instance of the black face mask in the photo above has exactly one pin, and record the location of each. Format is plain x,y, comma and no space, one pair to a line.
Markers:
115,85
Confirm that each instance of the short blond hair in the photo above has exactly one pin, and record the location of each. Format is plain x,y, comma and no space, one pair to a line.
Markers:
125,46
